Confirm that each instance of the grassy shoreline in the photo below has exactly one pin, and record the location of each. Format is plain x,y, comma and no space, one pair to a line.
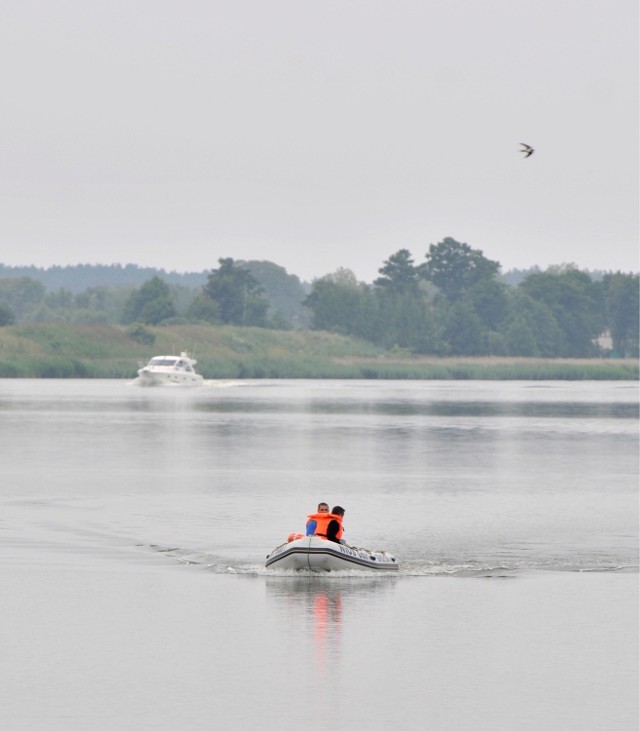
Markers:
109,351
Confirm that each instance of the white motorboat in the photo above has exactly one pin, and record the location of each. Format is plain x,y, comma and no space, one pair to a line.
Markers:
169,370
318,554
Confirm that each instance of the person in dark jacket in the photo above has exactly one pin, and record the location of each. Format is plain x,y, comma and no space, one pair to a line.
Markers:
334,528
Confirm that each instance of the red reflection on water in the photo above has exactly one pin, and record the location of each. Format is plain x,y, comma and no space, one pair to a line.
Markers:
327,627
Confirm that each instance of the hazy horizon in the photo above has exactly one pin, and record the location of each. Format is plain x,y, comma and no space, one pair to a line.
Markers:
123,265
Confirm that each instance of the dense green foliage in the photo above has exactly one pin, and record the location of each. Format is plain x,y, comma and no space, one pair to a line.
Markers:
284,293
456,268
6,315
58,295
454,303
151,304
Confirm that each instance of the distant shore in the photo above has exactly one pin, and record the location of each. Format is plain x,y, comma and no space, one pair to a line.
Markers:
106,351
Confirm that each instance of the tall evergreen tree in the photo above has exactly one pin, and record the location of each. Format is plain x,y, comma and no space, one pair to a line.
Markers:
401,312
399,272
237,295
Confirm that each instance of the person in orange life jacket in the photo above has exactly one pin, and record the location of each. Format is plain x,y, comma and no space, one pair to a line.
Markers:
312,520
334,527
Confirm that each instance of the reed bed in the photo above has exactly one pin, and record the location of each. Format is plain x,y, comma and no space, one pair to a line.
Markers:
106,351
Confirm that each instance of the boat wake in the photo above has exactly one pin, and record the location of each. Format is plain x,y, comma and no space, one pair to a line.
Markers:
415,567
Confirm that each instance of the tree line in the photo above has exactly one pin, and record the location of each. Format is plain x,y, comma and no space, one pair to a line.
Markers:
150,296
455,302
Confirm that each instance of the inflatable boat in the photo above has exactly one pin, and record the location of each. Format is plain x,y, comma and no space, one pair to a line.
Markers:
318,554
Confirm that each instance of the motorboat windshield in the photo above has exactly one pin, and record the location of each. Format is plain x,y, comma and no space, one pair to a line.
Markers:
167,362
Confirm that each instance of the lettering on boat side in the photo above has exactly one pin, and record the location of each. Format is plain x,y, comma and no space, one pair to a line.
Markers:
351,552
362,554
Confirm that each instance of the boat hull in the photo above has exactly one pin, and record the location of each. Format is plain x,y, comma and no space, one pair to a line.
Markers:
147,378
316,554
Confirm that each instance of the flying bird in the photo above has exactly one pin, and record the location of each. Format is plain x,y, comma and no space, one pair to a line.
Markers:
527,149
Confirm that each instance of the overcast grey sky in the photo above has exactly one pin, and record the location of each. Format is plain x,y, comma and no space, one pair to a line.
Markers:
318,135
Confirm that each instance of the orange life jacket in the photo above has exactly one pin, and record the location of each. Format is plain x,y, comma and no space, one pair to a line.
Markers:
322,523
316,517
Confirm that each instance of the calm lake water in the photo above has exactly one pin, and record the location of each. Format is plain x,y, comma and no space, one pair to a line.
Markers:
134,524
